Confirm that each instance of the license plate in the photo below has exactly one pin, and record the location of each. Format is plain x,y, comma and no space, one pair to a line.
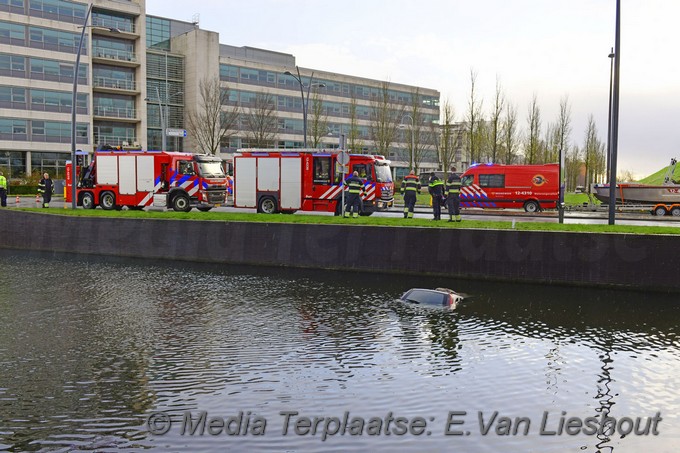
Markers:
218,205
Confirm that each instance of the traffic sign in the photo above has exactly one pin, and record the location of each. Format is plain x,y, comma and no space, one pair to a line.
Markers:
343,158
170,132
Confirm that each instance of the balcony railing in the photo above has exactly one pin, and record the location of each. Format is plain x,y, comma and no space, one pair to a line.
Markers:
114,54
122,25
119,84
115,112
113,140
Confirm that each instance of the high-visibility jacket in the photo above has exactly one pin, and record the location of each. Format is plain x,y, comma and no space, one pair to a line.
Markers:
355,184
436,187
452,185
411,184
3,182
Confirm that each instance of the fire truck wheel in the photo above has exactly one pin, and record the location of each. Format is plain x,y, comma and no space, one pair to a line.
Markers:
365,214
181,203
660,211
88,200
267,205
204,209
675,212
107,201
531,206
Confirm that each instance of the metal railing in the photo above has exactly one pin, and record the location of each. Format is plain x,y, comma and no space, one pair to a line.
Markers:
113,140
121,25
119,84
114,54
115,112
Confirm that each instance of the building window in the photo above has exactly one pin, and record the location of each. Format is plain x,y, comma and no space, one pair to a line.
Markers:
12,34
48,39
60,10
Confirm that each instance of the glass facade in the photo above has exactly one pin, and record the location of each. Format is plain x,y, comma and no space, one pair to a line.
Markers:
165,90
157,33
52,163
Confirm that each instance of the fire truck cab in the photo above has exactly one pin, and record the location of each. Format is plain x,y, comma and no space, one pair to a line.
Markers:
274,180
532,187
137,179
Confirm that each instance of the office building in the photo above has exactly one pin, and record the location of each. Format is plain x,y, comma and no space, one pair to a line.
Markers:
140,74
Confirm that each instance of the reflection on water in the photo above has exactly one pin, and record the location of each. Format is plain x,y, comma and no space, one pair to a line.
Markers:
90,347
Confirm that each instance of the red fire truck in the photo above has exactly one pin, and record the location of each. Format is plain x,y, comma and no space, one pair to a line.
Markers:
137,179
275,180
532,187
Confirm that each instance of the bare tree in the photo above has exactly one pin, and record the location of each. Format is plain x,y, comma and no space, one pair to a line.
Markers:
591,148
495,137
549,148
318,127
260,121
483,140
447,148
532,145
509,131
385,119
354,139
420,140
563,129
573,163
209,123
626,176
474,114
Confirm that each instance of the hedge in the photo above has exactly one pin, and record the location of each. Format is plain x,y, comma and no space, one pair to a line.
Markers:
23,190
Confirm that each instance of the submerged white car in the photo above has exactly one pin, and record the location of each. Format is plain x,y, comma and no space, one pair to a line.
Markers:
440,297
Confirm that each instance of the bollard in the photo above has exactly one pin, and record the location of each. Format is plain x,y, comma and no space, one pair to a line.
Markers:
17,200
37,198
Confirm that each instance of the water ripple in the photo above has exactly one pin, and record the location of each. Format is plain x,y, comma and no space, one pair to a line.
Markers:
92,346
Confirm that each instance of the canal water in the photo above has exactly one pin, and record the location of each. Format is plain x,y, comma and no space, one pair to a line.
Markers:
101,354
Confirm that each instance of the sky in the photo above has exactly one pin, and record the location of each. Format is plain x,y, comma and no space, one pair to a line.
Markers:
544,48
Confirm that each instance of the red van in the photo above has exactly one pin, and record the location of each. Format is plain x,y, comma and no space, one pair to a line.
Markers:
532,187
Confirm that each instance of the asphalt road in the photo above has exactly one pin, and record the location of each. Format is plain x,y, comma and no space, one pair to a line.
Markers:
581,217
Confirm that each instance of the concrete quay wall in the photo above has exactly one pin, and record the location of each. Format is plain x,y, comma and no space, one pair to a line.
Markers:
618,260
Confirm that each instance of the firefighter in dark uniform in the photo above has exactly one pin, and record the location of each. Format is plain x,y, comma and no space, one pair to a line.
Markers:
436,189
46,187
353,201
410,186
452,192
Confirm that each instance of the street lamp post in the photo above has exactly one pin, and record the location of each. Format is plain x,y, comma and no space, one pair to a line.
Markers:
609,119
614,133
164,140
413,143
73,109
305,103
73,103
